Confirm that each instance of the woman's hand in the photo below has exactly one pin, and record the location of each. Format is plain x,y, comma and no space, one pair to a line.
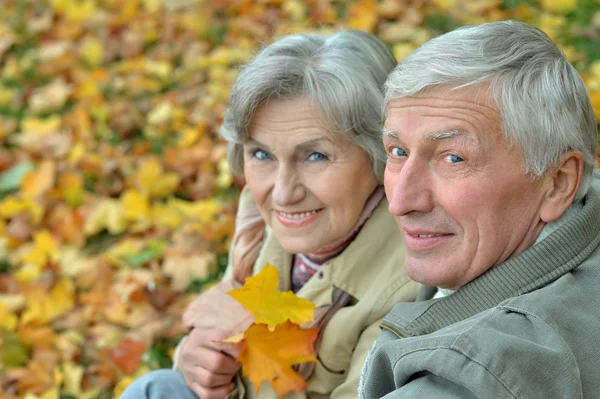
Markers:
214,308
207,364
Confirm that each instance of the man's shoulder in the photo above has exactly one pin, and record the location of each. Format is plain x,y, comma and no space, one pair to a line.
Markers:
496,352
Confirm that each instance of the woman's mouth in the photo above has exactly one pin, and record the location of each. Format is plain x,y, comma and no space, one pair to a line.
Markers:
297,219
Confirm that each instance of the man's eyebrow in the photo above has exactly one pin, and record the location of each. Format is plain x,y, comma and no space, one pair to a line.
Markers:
447,134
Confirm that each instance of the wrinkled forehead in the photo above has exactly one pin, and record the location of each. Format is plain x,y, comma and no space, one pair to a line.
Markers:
443,112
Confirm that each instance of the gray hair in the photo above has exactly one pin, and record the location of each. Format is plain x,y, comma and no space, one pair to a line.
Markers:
341,74
545,107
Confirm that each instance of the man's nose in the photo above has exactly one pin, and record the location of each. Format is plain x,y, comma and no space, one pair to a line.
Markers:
288,188
408,189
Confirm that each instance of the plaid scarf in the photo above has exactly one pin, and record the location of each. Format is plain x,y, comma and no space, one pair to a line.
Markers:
306,265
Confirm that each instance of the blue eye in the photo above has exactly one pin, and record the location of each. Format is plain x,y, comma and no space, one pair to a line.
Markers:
398,152
317,156
454,159
260,154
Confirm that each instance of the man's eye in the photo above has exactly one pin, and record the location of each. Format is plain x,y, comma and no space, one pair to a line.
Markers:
454,159
317,156
398,152
260,154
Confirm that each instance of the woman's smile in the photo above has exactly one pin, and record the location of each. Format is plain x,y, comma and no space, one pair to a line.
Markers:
298,219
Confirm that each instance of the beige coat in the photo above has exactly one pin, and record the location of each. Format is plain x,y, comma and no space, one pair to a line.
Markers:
371,269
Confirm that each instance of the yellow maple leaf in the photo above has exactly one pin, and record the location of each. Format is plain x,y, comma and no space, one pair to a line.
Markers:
41,126
260,297
166,215
44,307
269,356
70,187
109,215
8,320
123,250
73,375
136,208
75,10
152,181
202,211
91,51
45,248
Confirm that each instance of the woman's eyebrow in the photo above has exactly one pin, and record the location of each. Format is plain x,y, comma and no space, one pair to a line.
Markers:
310,142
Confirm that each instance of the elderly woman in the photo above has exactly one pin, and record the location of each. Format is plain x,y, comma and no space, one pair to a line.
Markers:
304,126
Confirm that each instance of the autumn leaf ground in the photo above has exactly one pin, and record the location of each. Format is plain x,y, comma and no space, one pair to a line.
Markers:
116,203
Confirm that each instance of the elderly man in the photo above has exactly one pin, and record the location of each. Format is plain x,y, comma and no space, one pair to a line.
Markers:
491,141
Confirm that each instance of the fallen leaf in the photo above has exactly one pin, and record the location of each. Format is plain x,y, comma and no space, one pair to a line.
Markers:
128,355
43,307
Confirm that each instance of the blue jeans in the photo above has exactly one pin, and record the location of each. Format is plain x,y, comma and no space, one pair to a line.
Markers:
159,384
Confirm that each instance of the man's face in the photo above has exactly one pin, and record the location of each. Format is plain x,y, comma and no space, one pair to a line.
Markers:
458,193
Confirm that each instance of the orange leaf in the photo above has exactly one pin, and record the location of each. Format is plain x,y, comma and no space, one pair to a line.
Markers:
128,355
269,356
260,297
40,181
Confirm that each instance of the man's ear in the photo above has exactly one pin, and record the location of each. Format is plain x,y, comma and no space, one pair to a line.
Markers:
564,182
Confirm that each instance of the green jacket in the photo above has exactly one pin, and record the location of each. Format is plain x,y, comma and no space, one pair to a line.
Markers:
528,328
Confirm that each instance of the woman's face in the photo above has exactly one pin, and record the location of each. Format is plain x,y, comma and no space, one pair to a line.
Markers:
310,184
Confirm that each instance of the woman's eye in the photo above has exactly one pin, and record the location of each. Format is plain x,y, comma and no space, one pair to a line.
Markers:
317,156
454,159
260,154
398,152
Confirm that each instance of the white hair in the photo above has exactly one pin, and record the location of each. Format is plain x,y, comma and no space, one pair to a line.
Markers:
544,104
341,74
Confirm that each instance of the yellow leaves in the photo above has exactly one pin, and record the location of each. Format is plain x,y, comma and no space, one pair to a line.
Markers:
109,214
8,321
41,126
12,206
362,15
43,307
70,187
260,297
45,249
91,51
558,6
75,10
136,206
113,106
153,181
445,5
275,342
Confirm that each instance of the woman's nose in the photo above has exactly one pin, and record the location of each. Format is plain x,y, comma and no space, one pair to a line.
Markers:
288,187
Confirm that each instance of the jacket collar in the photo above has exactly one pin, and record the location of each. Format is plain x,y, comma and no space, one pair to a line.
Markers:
559,253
